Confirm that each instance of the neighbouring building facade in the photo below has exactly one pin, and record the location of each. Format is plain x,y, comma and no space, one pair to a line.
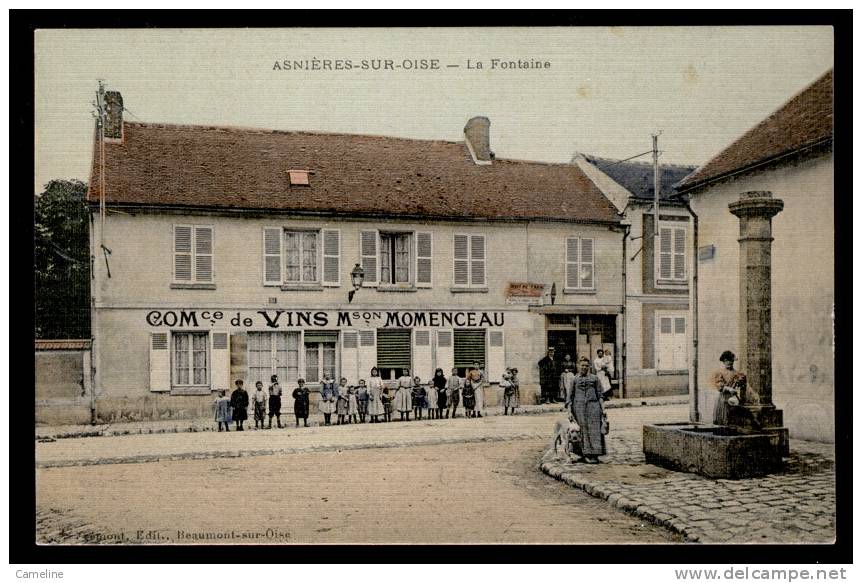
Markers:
657,272
229,254
790,155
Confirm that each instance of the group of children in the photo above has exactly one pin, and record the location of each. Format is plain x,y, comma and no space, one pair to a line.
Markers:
371,400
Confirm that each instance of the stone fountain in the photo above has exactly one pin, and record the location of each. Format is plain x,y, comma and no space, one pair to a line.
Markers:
754,440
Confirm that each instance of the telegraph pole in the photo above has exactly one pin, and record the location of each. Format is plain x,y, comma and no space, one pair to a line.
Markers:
656,180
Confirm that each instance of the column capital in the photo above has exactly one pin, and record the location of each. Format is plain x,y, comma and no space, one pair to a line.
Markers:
757,203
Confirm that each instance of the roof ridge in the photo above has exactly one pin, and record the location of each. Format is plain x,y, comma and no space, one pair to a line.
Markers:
639,163
260,130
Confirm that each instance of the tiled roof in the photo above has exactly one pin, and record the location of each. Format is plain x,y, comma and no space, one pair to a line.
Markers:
803,121
194,166
637,177
62,344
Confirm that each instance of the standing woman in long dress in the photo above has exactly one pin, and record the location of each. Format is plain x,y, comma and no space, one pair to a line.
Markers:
439,384
375,395
585,405
479,378
404,395
724,381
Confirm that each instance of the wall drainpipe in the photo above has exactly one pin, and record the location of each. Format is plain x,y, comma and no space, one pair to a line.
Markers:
694,406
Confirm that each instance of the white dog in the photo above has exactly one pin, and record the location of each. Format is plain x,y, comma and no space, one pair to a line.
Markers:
567,433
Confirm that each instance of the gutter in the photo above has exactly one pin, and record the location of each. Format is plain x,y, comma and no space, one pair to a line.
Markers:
694,412
267,212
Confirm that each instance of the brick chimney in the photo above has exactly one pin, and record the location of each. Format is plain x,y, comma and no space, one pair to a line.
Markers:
477,134
114,117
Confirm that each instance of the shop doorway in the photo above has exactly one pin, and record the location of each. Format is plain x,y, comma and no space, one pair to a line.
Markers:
564,342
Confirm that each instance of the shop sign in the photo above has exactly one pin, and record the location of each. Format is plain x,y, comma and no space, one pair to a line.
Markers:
324,319
524,293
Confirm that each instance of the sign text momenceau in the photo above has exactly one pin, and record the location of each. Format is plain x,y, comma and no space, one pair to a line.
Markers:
325,318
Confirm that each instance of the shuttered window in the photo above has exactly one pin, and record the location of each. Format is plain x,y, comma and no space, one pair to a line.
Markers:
469,260
393,352
469,348
395,258
193,254
670,254
580,263
190,359
300,257
272,238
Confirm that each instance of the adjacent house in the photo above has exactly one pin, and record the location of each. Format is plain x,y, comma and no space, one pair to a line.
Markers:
789,154
656,269
230,253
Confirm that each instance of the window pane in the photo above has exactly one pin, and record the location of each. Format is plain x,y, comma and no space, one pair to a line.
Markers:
385,258
329,358
309,257
679,325
312,363
181,359
586,276
402,259
291,256
665,325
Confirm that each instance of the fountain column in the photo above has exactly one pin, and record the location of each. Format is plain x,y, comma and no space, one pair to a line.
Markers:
755,211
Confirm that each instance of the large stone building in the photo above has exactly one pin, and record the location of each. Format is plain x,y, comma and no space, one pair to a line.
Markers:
789,154
229,255
657,272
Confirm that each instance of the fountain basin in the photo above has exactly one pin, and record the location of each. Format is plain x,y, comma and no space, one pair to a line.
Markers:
713,451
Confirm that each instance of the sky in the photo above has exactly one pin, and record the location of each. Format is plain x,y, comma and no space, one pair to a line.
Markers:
605,92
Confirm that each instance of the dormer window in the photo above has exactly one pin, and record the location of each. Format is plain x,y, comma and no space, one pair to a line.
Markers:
298,177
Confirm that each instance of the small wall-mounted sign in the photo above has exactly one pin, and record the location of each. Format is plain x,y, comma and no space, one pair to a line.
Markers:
706,252
532,294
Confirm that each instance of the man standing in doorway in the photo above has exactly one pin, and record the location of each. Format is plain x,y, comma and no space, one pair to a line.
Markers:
549,378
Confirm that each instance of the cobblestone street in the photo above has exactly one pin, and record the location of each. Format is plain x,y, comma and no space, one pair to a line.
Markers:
794,506
461,480
456,481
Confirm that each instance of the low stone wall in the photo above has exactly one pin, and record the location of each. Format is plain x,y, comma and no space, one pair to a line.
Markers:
62,388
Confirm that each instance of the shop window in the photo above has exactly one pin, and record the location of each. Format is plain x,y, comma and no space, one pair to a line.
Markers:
393,352
190,359
273,353
469,348
320,356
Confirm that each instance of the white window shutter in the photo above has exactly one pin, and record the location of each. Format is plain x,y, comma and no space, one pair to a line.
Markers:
368,256
496,356
367,352
679,254
350,357
664,254
182,253
445,351
204,254
587,264
424,255
462,259
477,260
160,362
572,263
220,375
272,256
332,258
423,366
